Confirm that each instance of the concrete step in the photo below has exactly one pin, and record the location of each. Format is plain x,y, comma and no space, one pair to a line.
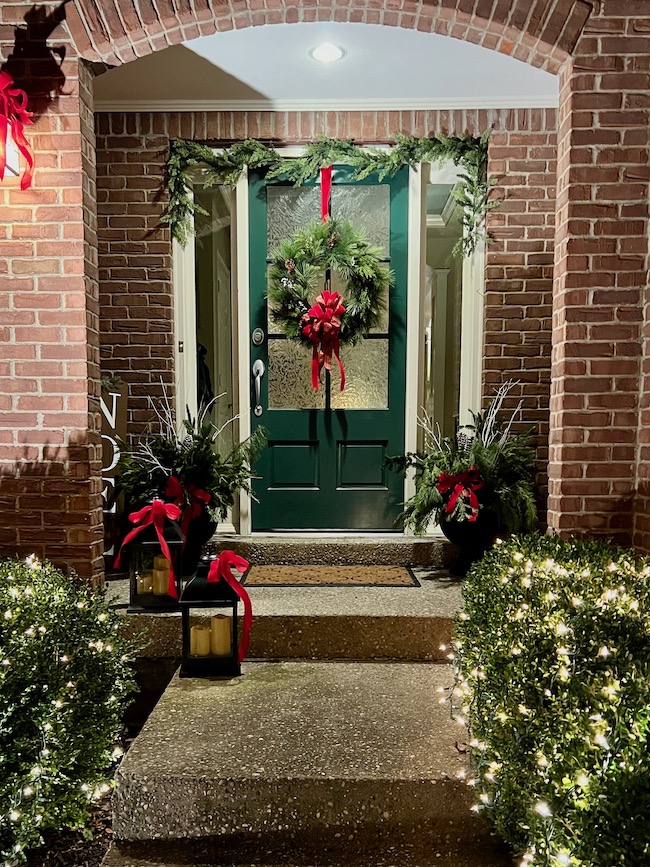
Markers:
330,623
337,550
315,749
419,848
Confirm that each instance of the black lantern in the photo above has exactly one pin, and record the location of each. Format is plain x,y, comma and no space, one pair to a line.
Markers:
210,641
149,569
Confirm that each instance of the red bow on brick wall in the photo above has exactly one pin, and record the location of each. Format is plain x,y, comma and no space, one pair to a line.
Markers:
13,118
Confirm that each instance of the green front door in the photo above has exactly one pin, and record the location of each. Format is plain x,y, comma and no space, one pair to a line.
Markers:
323,468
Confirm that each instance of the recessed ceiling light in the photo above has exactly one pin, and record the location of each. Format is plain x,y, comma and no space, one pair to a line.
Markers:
327,53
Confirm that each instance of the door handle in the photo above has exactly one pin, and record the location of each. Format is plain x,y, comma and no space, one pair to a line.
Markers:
258,373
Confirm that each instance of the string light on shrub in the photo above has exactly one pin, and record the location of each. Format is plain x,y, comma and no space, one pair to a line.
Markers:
592,686
68,747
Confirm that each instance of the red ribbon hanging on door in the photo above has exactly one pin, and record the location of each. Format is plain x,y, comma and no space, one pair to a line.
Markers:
13,118
155,514
323,324
325,192
222,568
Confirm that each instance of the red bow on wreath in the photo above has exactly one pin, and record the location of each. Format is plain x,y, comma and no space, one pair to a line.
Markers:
198,499
462,485
323,324
155,514
13,118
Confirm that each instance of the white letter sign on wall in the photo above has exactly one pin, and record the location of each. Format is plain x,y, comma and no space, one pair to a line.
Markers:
113,407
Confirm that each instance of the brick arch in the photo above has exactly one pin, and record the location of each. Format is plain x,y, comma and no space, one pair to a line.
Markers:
540,32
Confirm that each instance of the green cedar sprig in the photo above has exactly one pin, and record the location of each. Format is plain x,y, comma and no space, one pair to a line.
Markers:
504,459
225,167
193,456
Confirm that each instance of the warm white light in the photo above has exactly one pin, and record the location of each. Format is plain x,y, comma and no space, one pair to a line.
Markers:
327,53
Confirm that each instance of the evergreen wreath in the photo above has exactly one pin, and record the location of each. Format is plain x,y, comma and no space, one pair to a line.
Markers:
296,268
470,154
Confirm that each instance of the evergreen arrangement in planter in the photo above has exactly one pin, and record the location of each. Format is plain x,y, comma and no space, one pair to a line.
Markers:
65,679
476,484
553,659
186,467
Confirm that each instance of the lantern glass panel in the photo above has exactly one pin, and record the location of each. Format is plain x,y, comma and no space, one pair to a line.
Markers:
209,615
149,569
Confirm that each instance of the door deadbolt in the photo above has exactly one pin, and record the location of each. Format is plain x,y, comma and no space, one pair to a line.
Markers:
258,337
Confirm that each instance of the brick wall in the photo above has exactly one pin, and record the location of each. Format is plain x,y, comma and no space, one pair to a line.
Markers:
135,253
49,445
601,275
519,272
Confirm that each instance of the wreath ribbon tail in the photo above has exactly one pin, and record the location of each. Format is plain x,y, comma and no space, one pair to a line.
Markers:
335,350
315,366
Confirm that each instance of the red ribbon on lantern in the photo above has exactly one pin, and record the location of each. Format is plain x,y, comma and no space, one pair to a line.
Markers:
464,485
155,514
13,118
221,568
198,499
323,325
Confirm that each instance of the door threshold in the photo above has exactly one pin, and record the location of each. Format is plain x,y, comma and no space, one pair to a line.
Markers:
338,534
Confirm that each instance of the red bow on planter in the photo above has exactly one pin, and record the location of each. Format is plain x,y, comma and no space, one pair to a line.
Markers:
13,118
198,499
323,324
221,568
156,514
462,485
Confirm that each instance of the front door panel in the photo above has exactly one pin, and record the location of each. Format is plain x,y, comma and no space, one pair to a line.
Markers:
323,468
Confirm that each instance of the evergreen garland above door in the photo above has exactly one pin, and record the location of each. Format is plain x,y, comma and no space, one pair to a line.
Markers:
467,152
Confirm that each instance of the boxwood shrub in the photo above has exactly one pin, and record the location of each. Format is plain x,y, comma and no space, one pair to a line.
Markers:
64,682
553,659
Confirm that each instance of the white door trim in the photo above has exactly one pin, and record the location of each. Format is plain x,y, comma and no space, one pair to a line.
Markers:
472,335
416,255
184,292
241,333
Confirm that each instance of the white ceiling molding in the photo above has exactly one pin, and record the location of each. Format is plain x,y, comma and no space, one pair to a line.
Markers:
395,104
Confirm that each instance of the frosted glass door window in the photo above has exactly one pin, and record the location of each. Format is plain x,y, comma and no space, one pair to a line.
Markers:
366,364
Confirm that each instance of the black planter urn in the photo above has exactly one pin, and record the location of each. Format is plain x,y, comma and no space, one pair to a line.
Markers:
472,538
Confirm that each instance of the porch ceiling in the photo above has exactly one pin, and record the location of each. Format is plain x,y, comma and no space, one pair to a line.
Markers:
269,67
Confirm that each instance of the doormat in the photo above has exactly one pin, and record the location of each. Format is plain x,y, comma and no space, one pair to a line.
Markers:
330,576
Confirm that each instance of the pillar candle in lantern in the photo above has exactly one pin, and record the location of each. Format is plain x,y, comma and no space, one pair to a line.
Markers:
161,562
161,581
200,641
220,641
